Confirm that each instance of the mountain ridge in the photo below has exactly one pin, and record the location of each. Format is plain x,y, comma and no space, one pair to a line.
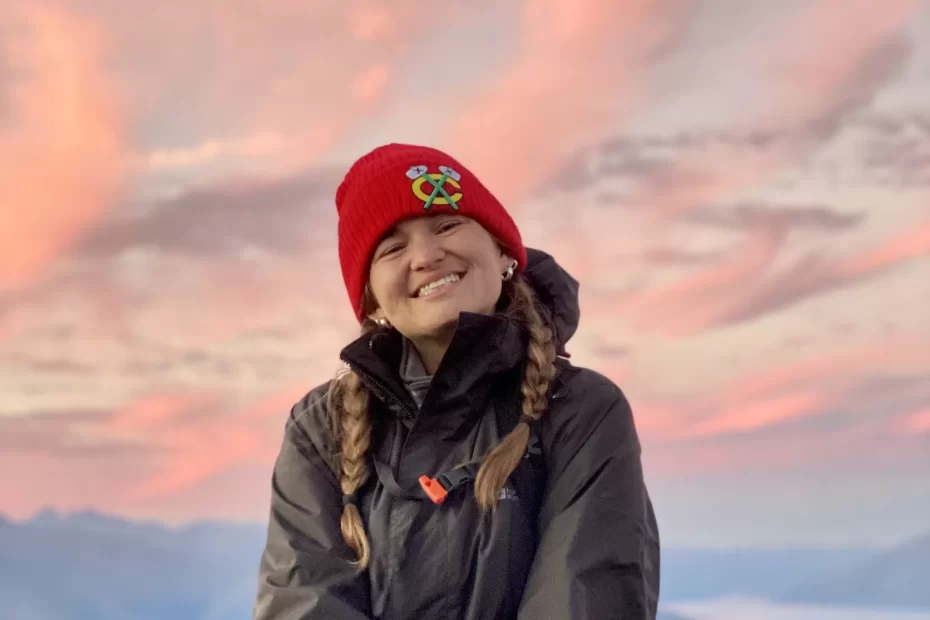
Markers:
89,565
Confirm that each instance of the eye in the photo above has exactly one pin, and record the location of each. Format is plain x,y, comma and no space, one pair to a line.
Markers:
448,225
389,249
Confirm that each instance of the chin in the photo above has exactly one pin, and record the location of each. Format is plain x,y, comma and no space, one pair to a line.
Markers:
437,325
440,320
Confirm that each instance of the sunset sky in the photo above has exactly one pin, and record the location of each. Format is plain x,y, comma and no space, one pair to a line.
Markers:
742,189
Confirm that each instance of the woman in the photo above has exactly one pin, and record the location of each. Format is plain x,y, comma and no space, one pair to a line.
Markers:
460,467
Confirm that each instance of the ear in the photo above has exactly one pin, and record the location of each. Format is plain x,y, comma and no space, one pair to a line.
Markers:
369,303
505,261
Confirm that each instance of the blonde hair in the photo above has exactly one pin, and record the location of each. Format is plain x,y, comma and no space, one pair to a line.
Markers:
351,423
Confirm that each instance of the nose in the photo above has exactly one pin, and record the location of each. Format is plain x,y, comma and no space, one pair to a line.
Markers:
425,251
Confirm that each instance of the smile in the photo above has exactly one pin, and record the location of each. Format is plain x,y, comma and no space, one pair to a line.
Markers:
438,285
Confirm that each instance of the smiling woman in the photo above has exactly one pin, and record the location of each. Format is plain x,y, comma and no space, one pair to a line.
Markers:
428,270
461,467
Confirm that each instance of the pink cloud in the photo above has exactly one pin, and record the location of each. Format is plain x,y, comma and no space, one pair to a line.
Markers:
694,301
372,22
371,83
833,64
317,101
152,450
195,453
772,395
267,88
845,449
570,80
907,245
174,455
196,442
198,439
843,361
63,155
752,416
155,413
751,281
741,424
257,144
916,423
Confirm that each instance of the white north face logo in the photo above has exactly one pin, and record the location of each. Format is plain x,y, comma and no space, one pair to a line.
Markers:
508,493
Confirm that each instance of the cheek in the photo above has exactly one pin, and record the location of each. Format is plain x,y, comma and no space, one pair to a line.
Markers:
379,283
491,283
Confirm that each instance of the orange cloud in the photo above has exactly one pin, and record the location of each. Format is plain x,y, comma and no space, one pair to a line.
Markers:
63,156
571,79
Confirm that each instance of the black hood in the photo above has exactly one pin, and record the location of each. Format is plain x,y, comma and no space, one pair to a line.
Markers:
558,291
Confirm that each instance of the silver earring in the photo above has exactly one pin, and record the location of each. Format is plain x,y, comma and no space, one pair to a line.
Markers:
382,322
507,275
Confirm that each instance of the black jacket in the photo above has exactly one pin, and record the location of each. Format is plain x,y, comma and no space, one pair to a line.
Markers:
573,537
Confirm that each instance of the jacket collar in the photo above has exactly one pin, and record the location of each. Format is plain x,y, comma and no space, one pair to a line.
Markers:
483,348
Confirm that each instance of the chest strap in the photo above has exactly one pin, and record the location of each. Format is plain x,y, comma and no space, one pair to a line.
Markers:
435,489
438,488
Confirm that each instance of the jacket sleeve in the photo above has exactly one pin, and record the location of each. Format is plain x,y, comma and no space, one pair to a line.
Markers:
598,552
305,571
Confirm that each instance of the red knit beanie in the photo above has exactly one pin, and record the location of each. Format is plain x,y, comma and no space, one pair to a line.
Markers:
400,181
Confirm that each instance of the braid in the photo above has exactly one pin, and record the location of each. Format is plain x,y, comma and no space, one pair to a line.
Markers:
351,426
540,370
354,471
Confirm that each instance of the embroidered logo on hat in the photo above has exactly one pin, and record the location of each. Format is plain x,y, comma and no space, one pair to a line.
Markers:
420,175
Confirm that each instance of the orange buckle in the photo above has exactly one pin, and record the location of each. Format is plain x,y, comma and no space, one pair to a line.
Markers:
434,490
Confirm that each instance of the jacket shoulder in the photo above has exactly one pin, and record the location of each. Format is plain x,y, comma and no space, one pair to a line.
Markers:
584,402
309,423
574,382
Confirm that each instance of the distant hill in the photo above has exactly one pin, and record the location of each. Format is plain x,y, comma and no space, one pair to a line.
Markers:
671,615
703,574
90,566
899,577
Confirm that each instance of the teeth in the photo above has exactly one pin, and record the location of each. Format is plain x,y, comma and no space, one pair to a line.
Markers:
427,290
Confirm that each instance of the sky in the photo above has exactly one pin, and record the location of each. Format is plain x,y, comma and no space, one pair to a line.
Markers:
742,189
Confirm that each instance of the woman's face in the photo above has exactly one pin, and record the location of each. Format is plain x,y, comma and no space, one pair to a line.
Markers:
427,270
